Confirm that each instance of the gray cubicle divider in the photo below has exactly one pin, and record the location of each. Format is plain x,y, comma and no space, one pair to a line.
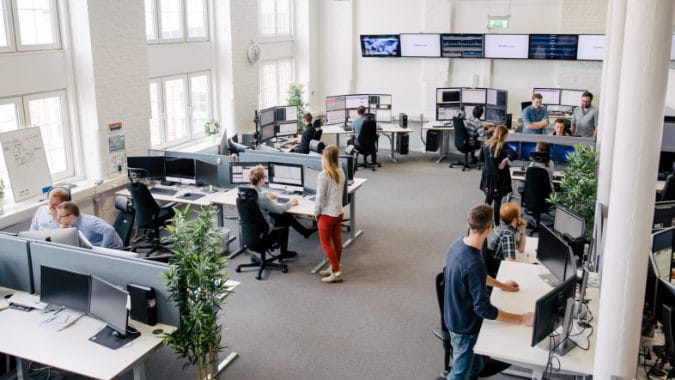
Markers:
116,270
223,162
560,140
15,264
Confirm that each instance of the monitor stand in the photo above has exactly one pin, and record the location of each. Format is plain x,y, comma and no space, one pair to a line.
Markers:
166,183
110,338
562,344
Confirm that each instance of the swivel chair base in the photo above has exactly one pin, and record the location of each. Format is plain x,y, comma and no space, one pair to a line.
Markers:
264,264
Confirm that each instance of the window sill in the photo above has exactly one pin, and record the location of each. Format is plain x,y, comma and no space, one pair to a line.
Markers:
17,212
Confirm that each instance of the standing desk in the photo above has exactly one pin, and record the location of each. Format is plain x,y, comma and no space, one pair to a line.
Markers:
511,343
390,130
70,348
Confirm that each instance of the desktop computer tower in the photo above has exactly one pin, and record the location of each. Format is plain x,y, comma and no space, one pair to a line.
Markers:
402,143
433,140
403,120
509,120
143,304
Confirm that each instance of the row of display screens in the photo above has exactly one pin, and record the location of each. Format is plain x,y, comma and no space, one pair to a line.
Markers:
342,108
589,47
278,115
449,101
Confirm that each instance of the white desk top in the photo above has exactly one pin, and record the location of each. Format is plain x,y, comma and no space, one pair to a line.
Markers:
203,201
70,348
337,129
519,177
511,343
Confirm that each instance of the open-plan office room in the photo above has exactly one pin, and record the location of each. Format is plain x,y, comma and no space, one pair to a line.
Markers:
355,189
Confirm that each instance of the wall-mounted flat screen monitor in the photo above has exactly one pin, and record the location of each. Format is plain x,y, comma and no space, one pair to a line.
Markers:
335,117
474,95
553,46
420,45
571,97
462,45
448,95
446,113
548,95
354,101
512,46
495,115
380,45
334,103
591,47
267,116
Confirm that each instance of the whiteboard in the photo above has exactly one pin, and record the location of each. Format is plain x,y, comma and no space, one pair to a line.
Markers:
26,162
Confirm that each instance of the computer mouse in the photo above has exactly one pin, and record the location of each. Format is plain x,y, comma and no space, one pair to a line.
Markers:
187,194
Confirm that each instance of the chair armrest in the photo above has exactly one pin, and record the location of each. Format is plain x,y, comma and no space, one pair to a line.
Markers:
440,334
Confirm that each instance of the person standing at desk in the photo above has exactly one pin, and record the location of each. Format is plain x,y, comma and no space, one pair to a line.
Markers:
45,215
97,230
535,117
308,134
328,212
585,117
275,213
467,301
495,179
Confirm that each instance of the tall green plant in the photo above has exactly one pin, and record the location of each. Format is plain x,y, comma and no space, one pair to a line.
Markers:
295,98
196,278
579,184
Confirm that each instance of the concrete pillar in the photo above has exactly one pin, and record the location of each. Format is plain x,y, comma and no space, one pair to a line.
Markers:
639,126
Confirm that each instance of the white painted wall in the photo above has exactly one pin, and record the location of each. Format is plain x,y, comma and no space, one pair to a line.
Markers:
178,58
40,71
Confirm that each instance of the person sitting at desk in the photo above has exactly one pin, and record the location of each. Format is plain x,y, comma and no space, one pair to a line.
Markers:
559,128
467,301
275,212
535,117
358,122
308,134
544,147
510,235
473,124
96,230
45,215
585,117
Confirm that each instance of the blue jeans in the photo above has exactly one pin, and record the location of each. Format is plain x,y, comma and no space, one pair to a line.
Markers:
465,364
533,131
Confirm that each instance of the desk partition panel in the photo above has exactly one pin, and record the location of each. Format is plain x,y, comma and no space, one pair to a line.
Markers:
222,162
15,267
116,270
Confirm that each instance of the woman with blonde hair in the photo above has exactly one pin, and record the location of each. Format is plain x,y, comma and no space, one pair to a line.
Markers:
495,180
328,212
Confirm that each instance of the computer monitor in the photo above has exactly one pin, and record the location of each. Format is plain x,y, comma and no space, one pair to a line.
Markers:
240,171
291,113
206,173
664,214
381,45
665,295
555,254
267,132
549,310
354,101
310,179
567,222
474,95
445,113
109,304
449,95
68,236
383,115
64,288
287,177
666,160
560,153
335,103
180,169
526,148
279,114
420,45
153,164
267,116
515,146
495,114
287,129
662,251
553,46
336,116
571,97
548,95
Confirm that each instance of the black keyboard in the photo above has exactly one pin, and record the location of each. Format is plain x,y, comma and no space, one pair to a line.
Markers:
518,173
379,128
163,190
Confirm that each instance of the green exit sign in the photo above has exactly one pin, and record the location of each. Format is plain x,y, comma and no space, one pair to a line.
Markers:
498,24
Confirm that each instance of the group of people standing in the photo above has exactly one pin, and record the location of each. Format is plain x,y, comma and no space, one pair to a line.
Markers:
584,118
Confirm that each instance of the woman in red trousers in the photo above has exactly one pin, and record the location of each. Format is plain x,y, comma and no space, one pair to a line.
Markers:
328,212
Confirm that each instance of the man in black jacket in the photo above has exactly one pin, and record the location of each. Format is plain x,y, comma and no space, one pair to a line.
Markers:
307,134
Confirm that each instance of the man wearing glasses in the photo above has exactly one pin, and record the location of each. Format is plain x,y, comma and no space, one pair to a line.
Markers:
585,118
97,230
45,215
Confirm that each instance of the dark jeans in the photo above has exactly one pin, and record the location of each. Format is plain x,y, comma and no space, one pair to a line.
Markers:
496,202
465,364
283,220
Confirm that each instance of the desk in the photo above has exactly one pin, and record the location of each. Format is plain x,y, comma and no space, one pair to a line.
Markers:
511,343
521,177
390,130
445,139
70,348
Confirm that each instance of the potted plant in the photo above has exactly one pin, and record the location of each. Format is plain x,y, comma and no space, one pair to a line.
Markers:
295,98
211,127
196,278
579,184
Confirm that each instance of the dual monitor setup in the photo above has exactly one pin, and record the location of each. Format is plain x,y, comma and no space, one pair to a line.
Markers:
277,122
178,169
558,153
581,47
341,109
450,101
291,178
559,100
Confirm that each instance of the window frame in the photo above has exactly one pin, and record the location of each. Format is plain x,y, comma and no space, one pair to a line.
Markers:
56,30
276,36
157,18
280,100
154,17
181,16
209,106
160,110
186,102
9,28
18,103
206,23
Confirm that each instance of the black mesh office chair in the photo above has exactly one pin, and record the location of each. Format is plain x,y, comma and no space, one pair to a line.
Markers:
668,192
255,234
235,147
124,223
316,146
536,191
463,142
150,217
366,144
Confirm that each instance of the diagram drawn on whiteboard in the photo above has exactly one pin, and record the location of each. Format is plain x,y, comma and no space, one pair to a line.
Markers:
23,152
26,162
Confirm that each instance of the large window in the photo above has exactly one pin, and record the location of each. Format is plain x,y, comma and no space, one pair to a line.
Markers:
29,25
176,20
48,112
275,77
180,105
275,19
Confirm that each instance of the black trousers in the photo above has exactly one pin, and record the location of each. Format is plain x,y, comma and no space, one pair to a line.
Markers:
286,220
496,202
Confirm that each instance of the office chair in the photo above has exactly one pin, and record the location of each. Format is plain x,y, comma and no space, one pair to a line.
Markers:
463,142
666,352
366,144
535,193
524,105
235,147
255,235
316,146
124,223
150,217
491,367
318,134
668,192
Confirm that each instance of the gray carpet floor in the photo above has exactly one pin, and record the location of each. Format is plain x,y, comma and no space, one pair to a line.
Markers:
377,323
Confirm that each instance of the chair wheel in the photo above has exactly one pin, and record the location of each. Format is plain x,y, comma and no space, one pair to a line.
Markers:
258,277
238,270
284,269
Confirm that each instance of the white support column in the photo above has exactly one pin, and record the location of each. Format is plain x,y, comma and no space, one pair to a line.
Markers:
639,121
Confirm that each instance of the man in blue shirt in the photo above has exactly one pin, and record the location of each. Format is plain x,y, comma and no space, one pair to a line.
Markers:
96,230
535,117
45,215
358,123
467,301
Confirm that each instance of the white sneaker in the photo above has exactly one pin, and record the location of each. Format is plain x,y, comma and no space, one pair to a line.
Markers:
333,278
326,272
